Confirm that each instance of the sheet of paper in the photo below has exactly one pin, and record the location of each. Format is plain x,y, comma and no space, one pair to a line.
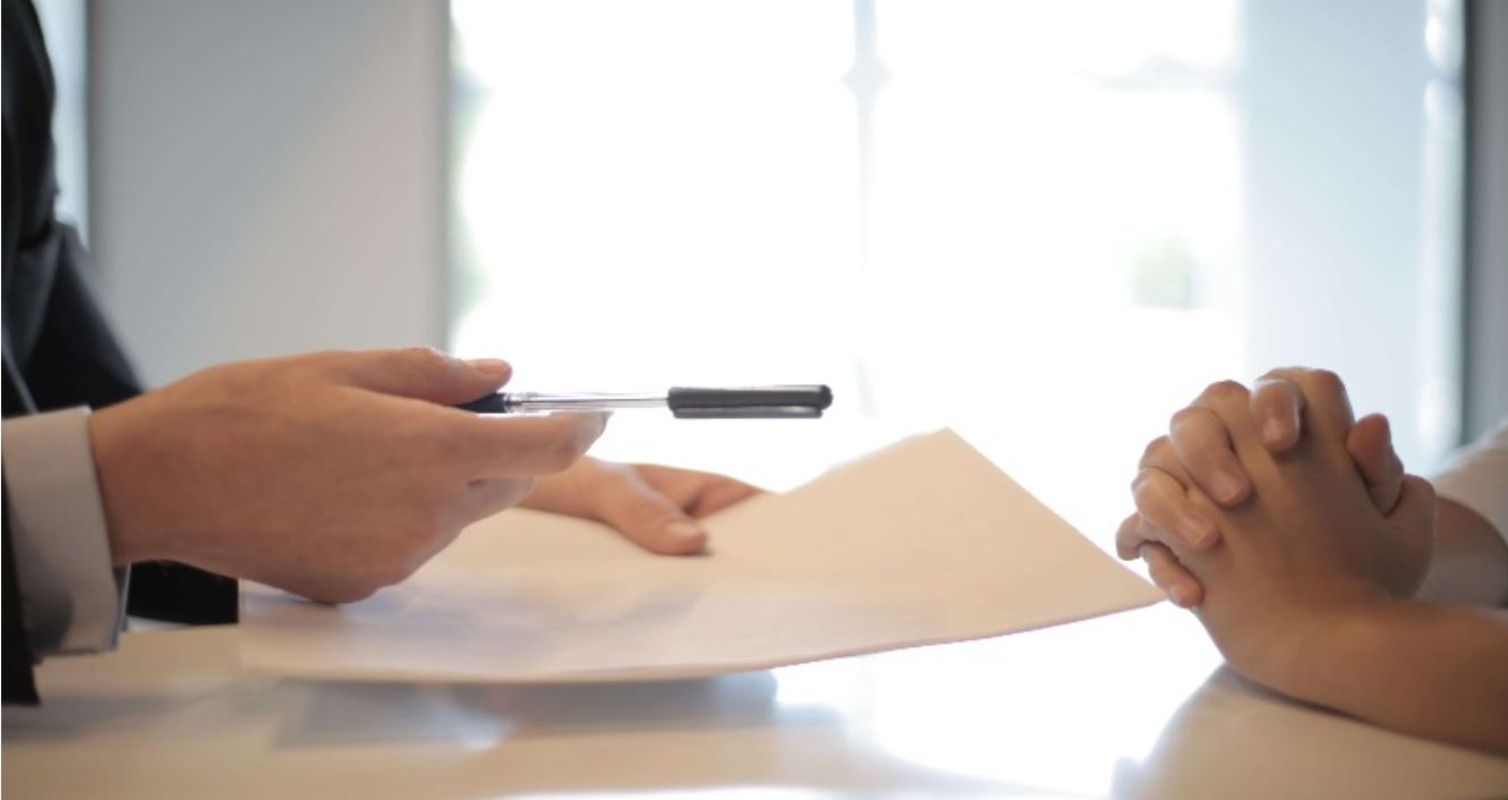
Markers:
921,543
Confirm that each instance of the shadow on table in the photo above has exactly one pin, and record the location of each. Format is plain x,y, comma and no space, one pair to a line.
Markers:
74,716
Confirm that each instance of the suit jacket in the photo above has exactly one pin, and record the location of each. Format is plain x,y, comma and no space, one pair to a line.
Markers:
59,351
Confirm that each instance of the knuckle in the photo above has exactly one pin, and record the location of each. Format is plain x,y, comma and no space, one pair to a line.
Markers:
1325,380
426,358
1144,490
1272,390
1154,452
1155,506
1225,390
1180,417
1282,374
1189,417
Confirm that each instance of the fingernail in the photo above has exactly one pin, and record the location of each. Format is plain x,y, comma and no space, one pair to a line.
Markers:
683,530
1227,487
1274,431
1195,531
491,367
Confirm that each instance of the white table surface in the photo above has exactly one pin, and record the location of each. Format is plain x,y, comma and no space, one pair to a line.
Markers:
1132,705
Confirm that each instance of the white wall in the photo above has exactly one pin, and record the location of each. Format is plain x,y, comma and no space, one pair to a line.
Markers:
1339,267
64,27
268,177
1487,331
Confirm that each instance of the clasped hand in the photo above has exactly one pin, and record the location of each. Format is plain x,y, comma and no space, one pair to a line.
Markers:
1267,510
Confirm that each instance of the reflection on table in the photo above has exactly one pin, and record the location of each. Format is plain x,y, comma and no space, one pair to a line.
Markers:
1134,705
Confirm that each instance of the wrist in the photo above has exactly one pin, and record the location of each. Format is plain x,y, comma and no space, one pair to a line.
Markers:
1325,659
130,539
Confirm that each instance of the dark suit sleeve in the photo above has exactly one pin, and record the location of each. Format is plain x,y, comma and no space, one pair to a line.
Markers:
59,350
74,358
19,685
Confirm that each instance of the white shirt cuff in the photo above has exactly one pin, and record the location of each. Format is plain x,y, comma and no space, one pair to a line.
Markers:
73,600
1477,478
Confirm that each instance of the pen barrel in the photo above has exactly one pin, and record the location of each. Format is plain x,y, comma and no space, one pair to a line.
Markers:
524,402
765,402
535,402
762,402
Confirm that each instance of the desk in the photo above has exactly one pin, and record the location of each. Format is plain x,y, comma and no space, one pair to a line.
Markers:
1133,705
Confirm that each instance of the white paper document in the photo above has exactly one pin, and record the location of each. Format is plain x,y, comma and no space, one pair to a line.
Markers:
921,543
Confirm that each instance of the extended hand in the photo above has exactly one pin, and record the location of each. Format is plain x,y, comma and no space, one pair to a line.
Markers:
329,475
652,506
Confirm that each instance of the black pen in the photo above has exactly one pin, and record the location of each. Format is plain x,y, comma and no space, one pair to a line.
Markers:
756,402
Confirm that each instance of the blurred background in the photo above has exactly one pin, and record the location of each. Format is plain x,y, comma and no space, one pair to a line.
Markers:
1045,224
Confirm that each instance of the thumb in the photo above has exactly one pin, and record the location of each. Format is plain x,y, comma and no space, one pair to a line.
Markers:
1414,521
1370,443
1415,511
423,373
647,518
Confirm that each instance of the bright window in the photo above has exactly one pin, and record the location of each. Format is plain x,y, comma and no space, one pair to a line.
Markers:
1046,224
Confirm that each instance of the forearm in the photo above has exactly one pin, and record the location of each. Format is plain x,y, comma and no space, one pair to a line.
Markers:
1470,563
1425,670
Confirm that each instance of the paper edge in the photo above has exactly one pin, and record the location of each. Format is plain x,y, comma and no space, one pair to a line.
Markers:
705,671
660,674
